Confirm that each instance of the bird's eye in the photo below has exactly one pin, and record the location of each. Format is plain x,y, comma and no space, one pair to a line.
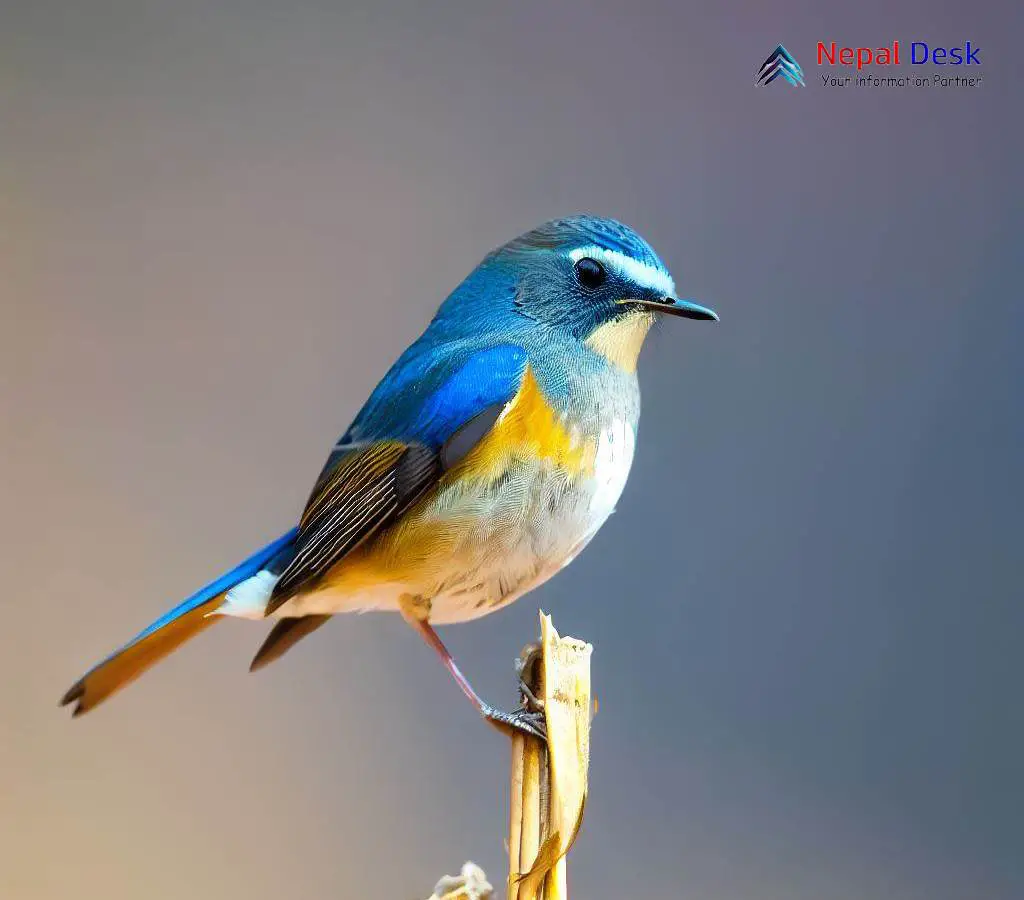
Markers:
590,273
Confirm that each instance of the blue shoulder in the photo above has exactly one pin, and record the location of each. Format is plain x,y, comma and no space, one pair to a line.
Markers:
485,378
432,392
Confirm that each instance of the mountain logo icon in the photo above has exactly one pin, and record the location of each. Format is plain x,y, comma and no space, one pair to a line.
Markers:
781,64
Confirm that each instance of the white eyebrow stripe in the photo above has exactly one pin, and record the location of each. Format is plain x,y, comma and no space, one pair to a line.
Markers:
633,270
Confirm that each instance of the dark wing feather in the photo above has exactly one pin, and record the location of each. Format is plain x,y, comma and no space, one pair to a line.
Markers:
285,634
459,445
360,490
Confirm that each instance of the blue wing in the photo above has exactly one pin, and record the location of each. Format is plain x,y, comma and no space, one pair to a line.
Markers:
424,416
398,446
431,392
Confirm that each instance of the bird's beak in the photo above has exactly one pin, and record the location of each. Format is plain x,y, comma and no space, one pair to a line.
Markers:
673,306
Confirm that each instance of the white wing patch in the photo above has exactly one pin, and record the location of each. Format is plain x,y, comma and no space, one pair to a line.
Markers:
631,269
248,599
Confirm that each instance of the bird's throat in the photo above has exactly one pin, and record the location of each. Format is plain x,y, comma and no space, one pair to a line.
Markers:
620,340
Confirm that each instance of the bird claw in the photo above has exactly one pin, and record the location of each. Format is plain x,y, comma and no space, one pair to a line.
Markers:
529,717
524,721
530,700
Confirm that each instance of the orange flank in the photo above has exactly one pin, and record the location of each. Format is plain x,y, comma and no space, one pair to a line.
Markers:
528,429
419,549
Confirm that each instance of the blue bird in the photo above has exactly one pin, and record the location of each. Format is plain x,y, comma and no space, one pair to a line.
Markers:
482,464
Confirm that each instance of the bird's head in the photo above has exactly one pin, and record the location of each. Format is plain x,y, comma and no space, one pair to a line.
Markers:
589,278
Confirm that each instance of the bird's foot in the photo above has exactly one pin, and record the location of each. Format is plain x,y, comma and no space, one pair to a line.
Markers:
526,669
522,720
530,700
529,717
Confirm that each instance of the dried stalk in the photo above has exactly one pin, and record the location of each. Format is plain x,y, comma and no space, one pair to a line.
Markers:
549,784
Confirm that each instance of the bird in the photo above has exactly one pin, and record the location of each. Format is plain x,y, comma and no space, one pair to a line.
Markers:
481,465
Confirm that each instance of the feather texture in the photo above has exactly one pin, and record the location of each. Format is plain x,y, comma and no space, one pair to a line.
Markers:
363,490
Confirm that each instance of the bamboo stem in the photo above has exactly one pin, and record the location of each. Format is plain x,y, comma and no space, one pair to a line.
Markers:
549,783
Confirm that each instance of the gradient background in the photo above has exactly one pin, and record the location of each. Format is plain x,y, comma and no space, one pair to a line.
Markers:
221,223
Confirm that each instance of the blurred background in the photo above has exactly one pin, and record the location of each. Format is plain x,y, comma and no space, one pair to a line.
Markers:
223,220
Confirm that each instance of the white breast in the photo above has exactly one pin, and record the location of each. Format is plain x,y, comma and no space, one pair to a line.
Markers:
611,468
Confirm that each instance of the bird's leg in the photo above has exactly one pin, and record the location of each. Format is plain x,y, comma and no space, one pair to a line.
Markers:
528,721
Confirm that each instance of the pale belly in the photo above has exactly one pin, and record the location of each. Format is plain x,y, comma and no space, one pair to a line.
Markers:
475,547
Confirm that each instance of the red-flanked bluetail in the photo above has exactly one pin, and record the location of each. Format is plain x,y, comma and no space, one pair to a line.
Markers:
482,464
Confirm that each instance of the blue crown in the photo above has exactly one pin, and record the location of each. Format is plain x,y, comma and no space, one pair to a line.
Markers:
580,230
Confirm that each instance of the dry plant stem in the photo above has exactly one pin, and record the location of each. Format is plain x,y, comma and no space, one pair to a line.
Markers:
515,815
568,712
549,783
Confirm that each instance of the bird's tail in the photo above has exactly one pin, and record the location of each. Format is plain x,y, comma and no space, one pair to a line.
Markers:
166,634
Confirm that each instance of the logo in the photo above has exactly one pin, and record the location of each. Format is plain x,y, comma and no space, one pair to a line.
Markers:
883,67
920,54
781,64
